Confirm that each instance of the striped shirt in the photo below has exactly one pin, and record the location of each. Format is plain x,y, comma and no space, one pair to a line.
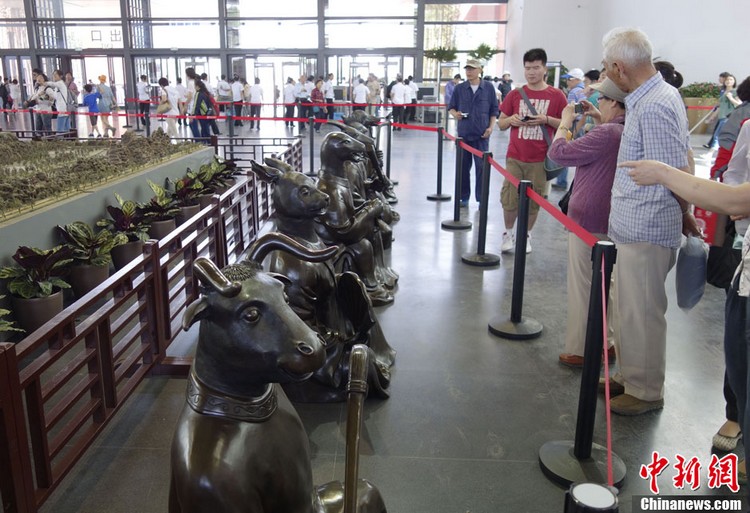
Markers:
656,128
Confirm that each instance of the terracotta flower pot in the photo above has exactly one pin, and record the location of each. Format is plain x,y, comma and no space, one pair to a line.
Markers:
205,201
84,278
33,313
123,254
160,229
187,212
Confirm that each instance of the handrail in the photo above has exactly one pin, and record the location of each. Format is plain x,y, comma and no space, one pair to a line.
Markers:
62,384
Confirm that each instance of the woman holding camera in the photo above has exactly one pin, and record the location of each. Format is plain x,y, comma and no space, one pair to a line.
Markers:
595,157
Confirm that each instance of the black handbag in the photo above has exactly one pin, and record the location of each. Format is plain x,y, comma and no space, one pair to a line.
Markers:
723,260
563,203
552,168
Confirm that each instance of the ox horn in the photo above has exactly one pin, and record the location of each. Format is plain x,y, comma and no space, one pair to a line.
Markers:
274,240
210,275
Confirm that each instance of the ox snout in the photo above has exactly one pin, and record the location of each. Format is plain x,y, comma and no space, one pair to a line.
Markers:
307,357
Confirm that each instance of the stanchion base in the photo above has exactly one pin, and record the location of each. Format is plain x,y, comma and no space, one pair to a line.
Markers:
127,126
136,130
477,260
439,197
560,465
527,329
394,182
456,225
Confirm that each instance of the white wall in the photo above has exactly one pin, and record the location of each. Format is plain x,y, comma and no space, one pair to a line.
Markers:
700,38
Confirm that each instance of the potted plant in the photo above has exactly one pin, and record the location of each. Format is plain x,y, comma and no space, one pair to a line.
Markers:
6,325
91,254
36,284
216,178
441,54
161,211
483,52
702,95
186,192
130,220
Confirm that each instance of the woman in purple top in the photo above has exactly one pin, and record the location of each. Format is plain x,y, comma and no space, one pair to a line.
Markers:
595,157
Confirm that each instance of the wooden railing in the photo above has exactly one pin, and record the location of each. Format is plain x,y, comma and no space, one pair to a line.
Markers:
60,386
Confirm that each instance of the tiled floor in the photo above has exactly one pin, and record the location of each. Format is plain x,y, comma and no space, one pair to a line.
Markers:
468,411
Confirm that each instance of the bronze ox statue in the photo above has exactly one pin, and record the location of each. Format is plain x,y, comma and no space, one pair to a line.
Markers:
354,226
239,445
334,305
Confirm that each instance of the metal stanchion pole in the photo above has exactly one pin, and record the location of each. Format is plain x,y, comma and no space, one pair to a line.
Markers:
457,223
388,141
582,460
439,196
518,327
480,258
127,117
312,147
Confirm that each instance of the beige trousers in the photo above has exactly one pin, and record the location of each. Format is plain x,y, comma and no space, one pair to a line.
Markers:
580,268
640,272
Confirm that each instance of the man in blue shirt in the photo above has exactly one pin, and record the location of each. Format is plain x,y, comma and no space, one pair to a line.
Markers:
474,106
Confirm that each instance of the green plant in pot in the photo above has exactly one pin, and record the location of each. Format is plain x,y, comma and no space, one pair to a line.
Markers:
161,210
483,52
130,220
91,254
6,325
186,192
36,283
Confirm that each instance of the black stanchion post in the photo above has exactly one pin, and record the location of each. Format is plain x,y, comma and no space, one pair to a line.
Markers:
480,258
312,147
138,121
230,121
215,144
457,223
388,164
581,460
148,129
518,327
127,116
439,196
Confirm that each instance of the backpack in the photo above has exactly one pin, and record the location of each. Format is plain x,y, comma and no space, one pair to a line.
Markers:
71,103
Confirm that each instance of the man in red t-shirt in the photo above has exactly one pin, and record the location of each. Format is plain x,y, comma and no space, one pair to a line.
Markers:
527,148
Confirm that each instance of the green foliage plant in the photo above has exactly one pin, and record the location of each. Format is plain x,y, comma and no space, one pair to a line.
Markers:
6,325
39,271
442,54
700,90
187,189
483,52
162,206
90,248
129,219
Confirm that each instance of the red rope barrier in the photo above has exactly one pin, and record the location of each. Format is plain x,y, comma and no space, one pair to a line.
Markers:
415,127
571,225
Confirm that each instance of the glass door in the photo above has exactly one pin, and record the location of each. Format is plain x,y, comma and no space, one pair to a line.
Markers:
266,72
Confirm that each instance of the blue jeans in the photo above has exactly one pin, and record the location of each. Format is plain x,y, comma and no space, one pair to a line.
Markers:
736,331
714,141
562,178
63,123
481,145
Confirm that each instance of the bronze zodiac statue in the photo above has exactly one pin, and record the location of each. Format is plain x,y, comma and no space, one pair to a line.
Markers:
239,445
345,223
334,305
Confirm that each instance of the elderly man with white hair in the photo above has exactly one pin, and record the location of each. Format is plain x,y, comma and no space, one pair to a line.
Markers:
645,223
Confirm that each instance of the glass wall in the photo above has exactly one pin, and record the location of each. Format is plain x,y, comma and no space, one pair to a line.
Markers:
78,9
12,9
274,34
349,8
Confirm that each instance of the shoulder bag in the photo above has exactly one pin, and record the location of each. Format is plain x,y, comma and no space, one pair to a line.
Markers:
551,167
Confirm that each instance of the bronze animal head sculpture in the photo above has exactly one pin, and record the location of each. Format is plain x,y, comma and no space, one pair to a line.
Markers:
338,148
239,445
296,195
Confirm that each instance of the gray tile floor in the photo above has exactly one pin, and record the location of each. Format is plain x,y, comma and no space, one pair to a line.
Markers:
468,411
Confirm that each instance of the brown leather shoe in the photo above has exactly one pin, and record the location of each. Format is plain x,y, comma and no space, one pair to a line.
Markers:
615,388
573,360
626,404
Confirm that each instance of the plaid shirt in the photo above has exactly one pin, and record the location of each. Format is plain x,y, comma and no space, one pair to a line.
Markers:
656,128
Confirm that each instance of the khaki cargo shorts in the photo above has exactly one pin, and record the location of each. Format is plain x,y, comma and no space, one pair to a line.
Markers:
532,171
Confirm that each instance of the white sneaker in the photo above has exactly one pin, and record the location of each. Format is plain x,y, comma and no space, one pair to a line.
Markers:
509,243
528,244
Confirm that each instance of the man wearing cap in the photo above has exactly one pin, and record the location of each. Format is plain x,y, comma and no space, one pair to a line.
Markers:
528,147
576,93
474,106
506,84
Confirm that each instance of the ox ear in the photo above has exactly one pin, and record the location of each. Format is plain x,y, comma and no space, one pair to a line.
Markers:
194,312
279,165
266,173
282,278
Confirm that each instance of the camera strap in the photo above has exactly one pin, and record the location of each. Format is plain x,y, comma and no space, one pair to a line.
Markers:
545,133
